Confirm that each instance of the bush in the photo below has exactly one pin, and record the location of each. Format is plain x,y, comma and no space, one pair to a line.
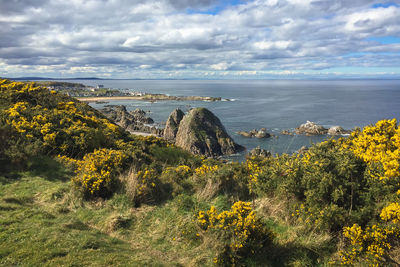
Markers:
238,232
144,187
372,244
229,179
177,179
97,173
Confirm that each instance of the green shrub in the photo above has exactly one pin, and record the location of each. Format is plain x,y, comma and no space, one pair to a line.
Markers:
178,179
97,173
230,179
144,187
237,233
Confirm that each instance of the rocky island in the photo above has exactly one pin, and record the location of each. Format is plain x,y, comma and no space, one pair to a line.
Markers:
262,133
311,128
201,132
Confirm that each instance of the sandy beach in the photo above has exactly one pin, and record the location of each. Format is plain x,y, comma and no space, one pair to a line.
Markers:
149,97
104,98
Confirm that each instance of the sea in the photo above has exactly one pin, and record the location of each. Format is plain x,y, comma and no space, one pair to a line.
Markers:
272,104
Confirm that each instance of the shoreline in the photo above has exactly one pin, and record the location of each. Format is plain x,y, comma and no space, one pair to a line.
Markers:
153,97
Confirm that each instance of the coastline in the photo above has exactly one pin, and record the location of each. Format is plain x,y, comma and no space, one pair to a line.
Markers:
152,97
102,98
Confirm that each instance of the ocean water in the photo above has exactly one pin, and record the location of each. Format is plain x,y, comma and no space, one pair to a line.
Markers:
272,104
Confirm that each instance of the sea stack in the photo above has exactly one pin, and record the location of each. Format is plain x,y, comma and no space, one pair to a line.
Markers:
201,132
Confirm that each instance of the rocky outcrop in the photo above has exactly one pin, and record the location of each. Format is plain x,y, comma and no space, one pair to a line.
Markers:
141,117
311,128
135,121
286,132
201,132
262,133
172,124
337,130
259,152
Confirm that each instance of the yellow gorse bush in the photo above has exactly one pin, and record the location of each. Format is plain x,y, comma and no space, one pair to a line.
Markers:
379,143
64,120
205,169
181,169
379,146
243,230
391,213
254,170
146,181
98,171
373,243
62,126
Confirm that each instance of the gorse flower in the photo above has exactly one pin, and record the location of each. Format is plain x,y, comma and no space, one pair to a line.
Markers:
379,144
205,169
244,231
98,171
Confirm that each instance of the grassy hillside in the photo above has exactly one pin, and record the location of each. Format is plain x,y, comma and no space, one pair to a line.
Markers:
77,190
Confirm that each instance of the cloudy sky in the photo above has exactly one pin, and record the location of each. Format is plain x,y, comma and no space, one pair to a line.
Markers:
209,39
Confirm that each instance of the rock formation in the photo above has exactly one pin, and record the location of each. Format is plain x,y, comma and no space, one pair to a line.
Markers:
201,132
259,152
337,130
135,121
311,128
286,132
262,133
172,124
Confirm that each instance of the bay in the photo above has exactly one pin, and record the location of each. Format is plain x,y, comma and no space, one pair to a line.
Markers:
274,104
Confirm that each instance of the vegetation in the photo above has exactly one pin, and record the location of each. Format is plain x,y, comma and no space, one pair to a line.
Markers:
75,189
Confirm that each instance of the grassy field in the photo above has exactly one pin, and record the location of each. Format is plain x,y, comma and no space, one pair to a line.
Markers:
44,223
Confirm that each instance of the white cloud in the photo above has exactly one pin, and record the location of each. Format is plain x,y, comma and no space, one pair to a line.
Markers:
220,66
126,38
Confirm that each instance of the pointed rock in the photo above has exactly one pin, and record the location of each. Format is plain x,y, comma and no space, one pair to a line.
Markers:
201,132
172,124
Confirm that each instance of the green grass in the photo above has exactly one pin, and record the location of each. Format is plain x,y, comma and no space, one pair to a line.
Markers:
45,222
42,223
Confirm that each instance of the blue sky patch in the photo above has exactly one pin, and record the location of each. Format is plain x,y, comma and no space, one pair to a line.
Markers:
386,39
216,9
385,5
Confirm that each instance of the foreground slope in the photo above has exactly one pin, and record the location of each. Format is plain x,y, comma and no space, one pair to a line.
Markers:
76,189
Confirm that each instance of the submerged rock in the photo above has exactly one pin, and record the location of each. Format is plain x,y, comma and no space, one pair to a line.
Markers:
201,132
262,133
311,128
286,132
172,124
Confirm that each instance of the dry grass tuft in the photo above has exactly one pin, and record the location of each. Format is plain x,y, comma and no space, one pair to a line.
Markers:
130,182
210,189
116,222
273,208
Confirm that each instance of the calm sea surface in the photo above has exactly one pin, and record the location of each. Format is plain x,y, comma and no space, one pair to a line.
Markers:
273,104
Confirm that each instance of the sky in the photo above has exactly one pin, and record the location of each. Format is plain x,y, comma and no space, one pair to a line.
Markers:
200,39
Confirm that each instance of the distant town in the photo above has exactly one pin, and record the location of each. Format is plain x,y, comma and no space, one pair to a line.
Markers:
81,90
100,93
